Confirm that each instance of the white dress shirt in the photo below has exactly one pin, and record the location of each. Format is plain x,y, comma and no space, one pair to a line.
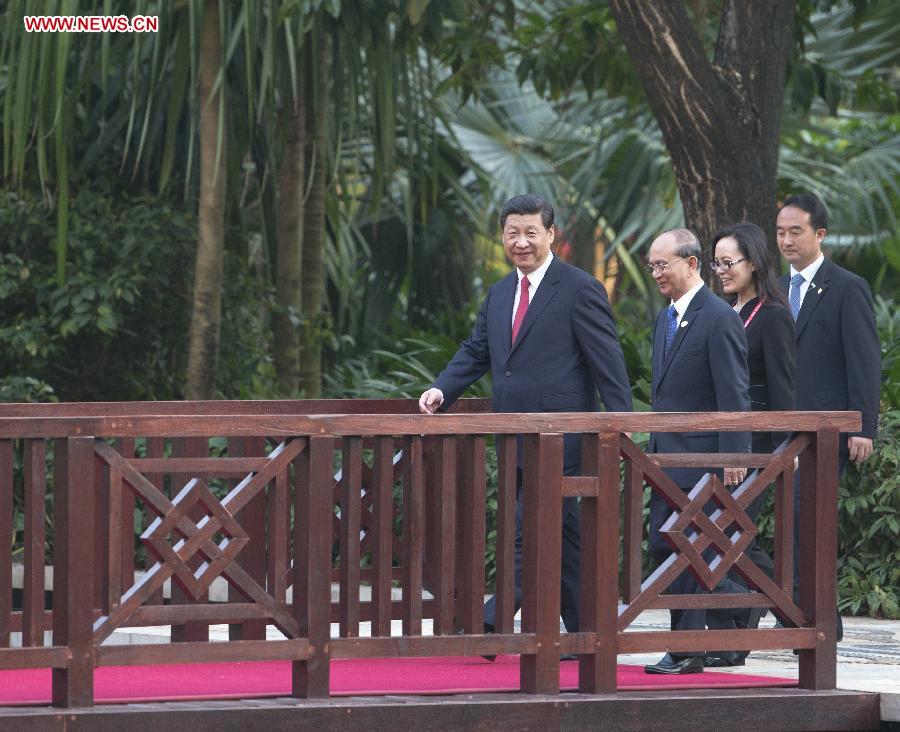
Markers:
809,274
534,281
681,304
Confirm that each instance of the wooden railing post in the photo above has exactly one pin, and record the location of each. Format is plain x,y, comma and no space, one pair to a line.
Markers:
600,565
541,558
413,530
470,548
312,564
34,459
73,573
253,557
818,558
6,529
505,551
444,558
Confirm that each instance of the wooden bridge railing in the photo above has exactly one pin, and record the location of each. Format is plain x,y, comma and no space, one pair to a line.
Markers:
285,499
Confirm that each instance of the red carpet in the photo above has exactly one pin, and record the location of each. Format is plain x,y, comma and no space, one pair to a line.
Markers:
349,677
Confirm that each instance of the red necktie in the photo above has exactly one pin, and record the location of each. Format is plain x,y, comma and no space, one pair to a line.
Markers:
521,310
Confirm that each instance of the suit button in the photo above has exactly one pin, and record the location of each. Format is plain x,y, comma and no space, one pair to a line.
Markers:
509,373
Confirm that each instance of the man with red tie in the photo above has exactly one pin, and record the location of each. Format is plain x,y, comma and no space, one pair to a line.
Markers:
547,334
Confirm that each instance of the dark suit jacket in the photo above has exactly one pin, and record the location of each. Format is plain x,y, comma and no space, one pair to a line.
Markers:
567,349
838,354
770,357
704,371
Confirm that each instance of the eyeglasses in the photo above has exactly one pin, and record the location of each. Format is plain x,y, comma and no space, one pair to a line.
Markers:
660,267
725,266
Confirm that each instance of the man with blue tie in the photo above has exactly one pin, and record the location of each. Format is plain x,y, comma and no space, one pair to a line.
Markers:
547,334
699,365
838,361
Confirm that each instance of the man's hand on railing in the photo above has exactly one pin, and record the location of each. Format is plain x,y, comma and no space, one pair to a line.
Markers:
430,401
735,476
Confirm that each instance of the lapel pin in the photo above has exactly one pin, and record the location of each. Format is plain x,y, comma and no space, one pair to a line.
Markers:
820,291
683,324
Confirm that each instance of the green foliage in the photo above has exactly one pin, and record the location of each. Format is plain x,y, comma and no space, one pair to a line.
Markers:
25,389
887,316
869,528
106,333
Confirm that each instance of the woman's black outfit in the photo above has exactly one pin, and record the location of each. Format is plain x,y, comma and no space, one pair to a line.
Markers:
770,358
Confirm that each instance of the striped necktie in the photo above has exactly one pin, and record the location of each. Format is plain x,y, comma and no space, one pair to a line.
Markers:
794,296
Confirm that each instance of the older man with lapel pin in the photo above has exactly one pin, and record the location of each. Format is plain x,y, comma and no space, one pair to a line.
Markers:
699,365
547,334
838,362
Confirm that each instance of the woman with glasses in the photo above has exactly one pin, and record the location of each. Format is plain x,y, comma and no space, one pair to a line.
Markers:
743,265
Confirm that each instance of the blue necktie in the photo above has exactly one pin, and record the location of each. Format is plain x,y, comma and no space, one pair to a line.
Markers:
794,296
671,326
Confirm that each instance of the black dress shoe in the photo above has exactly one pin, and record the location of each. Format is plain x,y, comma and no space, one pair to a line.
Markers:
672,665
724,660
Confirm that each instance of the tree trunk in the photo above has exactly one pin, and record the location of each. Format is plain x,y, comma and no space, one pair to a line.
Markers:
720,120
289,247
312,270
206,312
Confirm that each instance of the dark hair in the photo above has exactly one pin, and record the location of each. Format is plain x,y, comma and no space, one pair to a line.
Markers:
812,204
527,203
751,241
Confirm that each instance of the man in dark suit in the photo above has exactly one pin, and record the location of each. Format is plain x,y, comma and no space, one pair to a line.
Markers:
547,335
838,362
699,365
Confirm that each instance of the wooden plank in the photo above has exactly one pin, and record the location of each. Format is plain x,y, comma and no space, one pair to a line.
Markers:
6,539
715,640
580,485
410,424
782,709
600,567
278,518
541,558
297,649
127,565
633,531
100,537
445,551
73,520
117,530
784,530
12,659
156,448
382,490
413,528
711,459
471,518
818,558
252,518
202,467
348,538
313,504
435,645
505,548
687,602
215,613
35,467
